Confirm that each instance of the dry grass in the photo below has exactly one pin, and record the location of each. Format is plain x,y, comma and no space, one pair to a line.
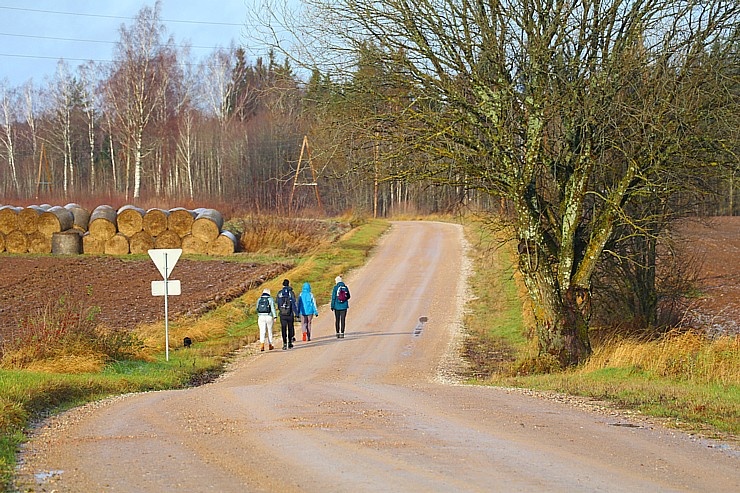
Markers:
64,338
684,356
284,234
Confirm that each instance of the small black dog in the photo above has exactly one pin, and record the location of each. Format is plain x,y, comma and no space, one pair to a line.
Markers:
187,342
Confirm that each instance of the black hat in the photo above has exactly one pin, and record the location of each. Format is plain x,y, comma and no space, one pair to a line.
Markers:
286,282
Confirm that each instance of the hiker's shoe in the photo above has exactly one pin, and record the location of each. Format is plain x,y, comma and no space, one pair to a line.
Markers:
285,347
262,347
337,335
290,346
272,347
341,336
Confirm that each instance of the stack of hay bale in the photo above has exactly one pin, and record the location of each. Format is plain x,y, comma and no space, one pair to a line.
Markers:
130,229
41,228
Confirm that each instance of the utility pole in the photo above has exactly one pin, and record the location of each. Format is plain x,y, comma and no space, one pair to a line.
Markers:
45,170
313,183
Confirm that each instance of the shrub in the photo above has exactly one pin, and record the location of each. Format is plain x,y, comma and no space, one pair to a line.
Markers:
66,338
290,235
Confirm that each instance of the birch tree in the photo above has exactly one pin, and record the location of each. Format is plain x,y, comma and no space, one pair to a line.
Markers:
137,86
7,137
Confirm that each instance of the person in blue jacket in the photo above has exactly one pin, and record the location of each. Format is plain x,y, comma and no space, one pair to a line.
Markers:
307,310
339,304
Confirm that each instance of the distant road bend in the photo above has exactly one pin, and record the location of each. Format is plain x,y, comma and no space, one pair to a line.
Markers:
368,413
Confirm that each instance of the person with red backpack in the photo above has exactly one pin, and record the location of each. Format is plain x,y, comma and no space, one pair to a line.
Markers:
339,304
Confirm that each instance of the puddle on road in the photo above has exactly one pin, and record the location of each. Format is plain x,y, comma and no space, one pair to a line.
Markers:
44,476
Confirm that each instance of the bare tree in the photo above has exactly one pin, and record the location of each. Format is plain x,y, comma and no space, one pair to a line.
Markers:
61,94
137,86
90,108
8,103
567,109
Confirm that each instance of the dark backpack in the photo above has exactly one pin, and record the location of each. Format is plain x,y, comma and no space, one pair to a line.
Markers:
263,304
343,294
285,306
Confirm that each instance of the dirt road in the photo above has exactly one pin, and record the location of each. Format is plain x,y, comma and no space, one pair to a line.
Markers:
368,413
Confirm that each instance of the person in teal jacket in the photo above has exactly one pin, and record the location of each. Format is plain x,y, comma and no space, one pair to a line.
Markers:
339,305
307,310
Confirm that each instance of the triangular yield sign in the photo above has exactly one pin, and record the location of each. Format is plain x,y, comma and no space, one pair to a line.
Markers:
165,259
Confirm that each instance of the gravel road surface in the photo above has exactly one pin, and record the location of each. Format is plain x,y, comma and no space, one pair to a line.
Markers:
375,411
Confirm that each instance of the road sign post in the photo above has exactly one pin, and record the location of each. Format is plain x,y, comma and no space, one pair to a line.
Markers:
165,260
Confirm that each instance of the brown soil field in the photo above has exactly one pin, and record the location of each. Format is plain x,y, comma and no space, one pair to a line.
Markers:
121,288
715,244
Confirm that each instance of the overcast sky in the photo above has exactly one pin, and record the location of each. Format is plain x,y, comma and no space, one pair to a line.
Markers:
36,34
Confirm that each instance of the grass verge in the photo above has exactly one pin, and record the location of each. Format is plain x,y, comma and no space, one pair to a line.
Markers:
685,379
26,396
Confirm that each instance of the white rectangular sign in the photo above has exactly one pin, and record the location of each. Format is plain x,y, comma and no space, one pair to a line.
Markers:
173,287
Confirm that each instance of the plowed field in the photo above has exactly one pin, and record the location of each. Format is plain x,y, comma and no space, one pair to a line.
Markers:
120,288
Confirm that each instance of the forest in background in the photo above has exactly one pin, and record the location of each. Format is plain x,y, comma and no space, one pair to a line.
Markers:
225,129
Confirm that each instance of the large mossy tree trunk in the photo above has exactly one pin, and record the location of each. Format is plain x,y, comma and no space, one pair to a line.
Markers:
561,316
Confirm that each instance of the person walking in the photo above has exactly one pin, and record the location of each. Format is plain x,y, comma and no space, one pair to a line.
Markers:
307,310
288,312
339,304
266,316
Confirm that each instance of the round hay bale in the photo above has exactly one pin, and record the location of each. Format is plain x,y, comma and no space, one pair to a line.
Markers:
130,220
28,219
38,242
8,218
207,225
66,243
224,244
191,244
181,221
103,222
54,220
168,239
2,242
81,216
117,245
155,221
92,244
141,242
16,242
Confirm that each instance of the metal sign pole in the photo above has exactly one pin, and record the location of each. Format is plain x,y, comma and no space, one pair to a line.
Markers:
166,317
161,258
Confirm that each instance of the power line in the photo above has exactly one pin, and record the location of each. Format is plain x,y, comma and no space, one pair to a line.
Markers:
42,57
88,40
80,14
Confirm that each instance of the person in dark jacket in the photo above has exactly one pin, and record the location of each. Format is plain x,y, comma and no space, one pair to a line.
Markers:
339,305
288,312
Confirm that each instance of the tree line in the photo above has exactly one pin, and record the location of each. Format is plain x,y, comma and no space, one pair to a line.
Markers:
154,123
